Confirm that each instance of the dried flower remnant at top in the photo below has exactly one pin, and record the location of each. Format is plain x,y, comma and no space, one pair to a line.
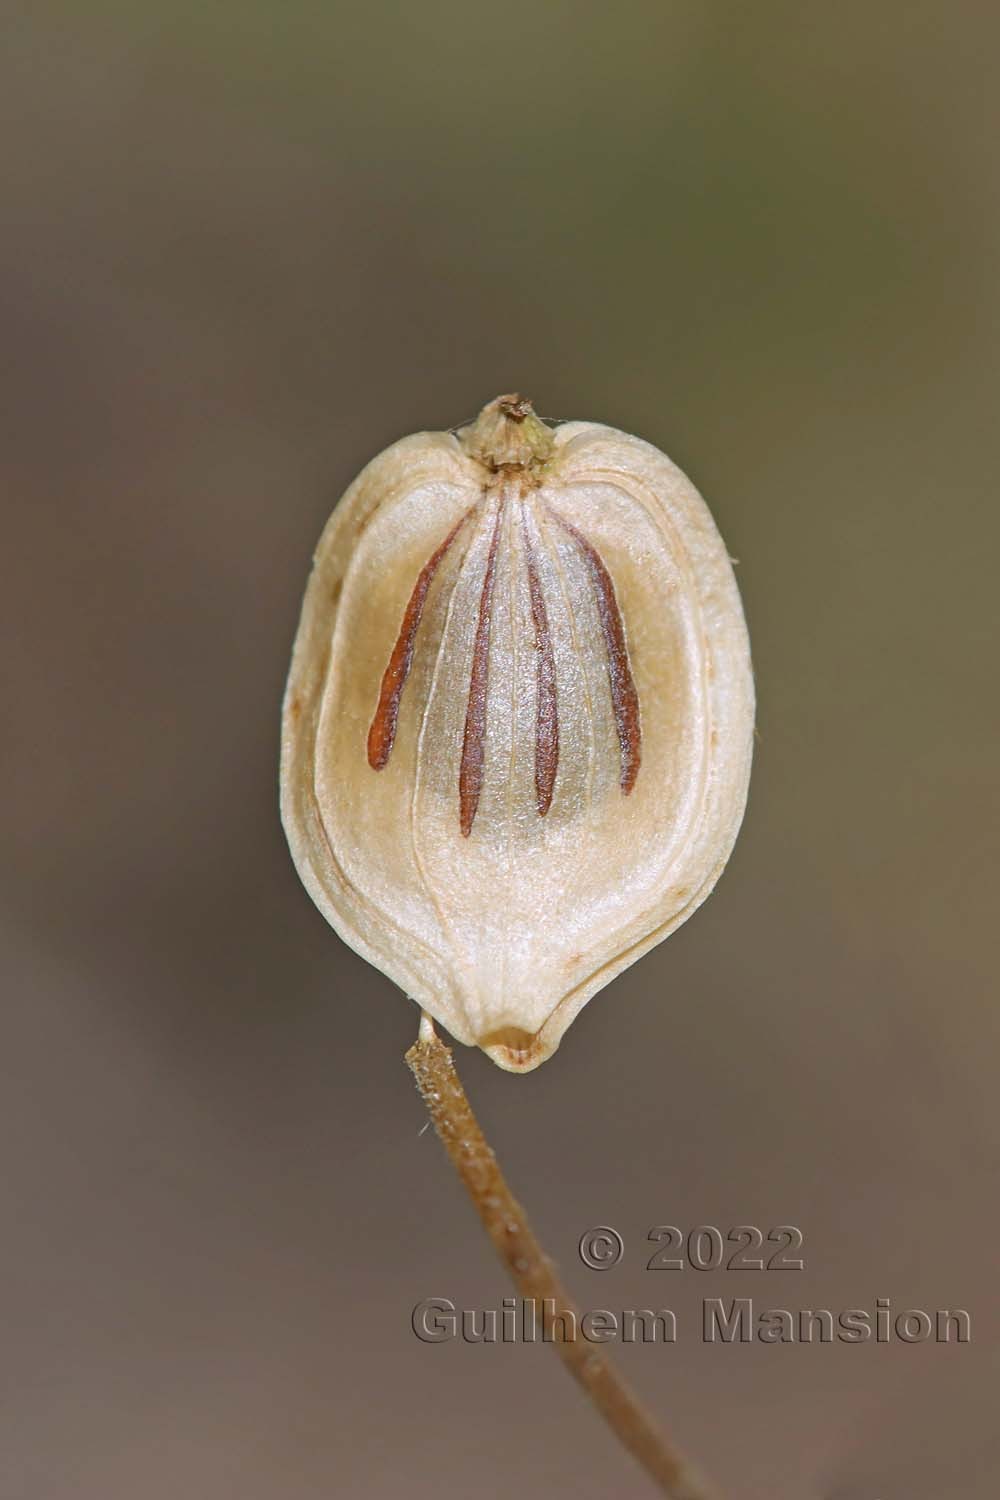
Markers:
518,722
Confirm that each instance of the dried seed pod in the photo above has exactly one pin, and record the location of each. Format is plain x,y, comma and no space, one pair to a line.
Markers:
518,723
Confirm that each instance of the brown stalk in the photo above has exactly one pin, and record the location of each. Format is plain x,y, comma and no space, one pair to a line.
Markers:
507,1225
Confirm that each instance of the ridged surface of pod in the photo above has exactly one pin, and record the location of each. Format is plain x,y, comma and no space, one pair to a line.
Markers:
518,724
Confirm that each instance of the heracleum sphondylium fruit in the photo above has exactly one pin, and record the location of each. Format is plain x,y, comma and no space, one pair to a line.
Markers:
518,723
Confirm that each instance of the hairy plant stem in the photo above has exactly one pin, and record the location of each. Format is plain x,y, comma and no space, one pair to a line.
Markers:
507,1226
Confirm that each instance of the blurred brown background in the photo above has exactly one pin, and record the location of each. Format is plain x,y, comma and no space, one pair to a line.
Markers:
247,246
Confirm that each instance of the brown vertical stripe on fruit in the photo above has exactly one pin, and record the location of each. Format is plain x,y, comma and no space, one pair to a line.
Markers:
546,709
382,734
470,778
624,698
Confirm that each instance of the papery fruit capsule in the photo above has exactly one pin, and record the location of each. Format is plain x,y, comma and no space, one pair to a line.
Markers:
518,723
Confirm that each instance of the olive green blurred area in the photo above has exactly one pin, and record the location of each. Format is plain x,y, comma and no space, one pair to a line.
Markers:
247,246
